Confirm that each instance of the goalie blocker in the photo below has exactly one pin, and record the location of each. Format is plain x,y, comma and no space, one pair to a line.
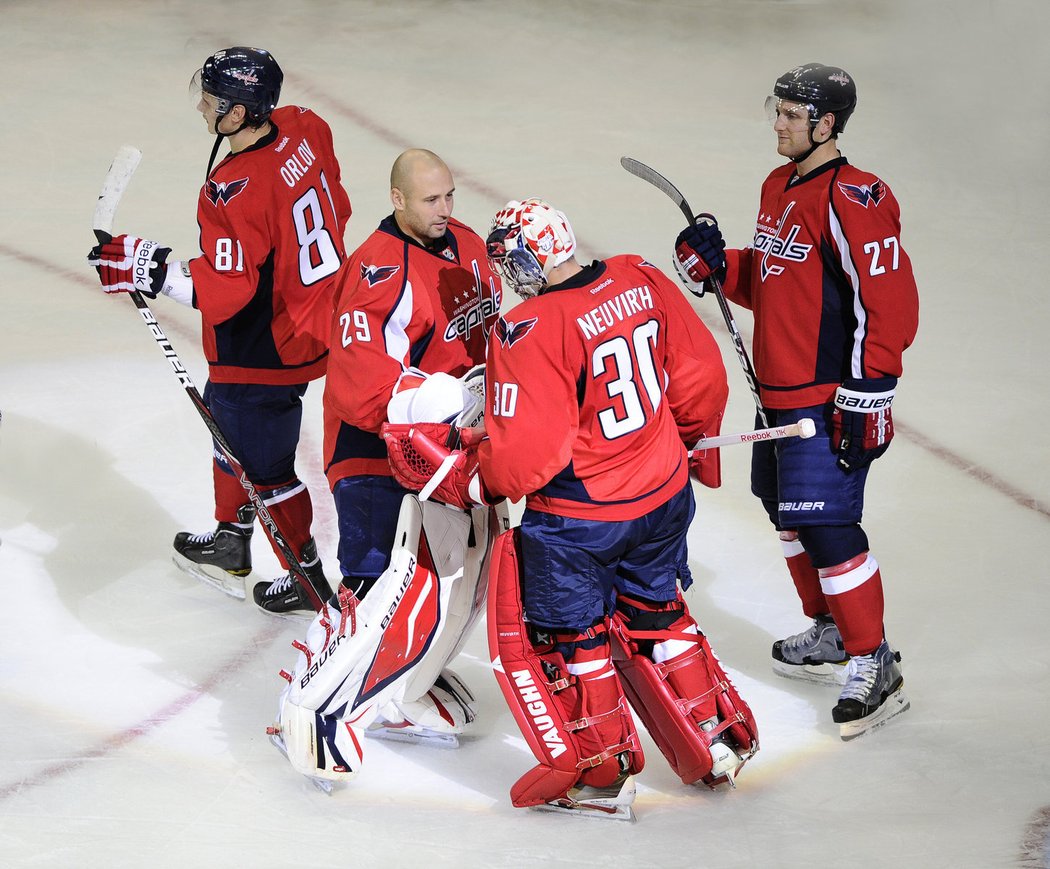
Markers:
577,723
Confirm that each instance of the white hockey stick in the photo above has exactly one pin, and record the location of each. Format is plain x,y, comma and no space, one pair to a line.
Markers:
124,164
804,428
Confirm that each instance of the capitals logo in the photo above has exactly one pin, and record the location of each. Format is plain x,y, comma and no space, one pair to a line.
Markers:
509,333
862,194
377,274
223,191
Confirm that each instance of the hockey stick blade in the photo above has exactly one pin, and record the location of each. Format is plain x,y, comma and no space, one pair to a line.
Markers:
124,164
648,173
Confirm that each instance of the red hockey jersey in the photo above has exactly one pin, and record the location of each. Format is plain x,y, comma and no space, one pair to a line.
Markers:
593,390
400,305
830,285
271,234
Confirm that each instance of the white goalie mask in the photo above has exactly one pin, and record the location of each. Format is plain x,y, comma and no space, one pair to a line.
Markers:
528,239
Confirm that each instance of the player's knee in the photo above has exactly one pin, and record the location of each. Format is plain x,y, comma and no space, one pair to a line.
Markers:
829,545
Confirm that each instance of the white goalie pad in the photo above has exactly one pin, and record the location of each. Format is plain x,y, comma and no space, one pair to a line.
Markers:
378,658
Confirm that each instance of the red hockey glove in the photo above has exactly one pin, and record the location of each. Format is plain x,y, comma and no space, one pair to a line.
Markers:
422,463
861,423
699,252
705,466
127,263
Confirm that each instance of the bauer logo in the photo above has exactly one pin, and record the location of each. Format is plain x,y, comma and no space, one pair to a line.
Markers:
800,506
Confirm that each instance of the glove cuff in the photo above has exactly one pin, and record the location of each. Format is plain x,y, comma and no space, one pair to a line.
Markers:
866,396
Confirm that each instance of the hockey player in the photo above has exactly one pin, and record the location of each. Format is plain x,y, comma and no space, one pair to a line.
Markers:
415,305
835,306
271,216
594,385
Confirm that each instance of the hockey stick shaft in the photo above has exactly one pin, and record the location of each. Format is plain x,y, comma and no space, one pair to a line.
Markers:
121,170
804,428
647,173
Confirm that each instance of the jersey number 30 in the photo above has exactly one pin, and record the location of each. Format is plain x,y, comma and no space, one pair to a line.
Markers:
633,373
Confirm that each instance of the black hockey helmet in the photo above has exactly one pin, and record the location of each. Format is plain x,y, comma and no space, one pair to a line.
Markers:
249,77
823,89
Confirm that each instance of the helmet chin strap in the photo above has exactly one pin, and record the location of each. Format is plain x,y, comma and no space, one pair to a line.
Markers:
813,145
219,136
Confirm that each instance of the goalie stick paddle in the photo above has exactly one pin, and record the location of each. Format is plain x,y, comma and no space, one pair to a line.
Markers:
124,164
648,173
804,428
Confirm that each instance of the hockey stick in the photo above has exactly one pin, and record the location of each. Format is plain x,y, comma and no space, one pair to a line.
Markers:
647,173
804,428
124,164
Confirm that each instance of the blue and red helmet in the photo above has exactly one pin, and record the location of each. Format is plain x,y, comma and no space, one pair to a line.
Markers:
248,77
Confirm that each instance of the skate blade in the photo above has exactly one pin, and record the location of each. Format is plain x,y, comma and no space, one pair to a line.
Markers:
815,674
291,615
429,738
221,580
323,785
895,704
587,810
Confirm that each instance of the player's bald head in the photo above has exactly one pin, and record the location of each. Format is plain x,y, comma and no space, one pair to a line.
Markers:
411,165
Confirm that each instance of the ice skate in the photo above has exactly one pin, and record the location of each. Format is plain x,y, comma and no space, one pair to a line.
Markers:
725,759
286,597
874,693
611,803
323,785
436,719
221,558
815,655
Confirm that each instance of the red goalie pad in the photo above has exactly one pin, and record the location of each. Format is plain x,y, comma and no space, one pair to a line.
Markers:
673,697
578,726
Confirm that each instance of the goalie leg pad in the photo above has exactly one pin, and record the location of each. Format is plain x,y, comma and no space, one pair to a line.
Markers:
318,746
678,688
573,715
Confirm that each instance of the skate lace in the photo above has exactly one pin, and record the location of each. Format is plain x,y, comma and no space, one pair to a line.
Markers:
280,586
862,672
805,640
206,537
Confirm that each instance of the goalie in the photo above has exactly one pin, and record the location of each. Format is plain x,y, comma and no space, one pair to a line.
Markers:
595,384
415,305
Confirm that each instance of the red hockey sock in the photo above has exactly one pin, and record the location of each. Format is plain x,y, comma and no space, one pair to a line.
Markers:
804,575
292,510
854,593
229,494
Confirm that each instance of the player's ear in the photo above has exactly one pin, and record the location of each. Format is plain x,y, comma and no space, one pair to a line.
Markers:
397,198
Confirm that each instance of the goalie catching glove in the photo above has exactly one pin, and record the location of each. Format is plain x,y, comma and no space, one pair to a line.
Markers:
422,461
861,422
129,264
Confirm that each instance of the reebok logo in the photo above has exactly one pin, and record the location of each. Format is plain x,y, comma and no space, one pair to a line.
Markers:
537,709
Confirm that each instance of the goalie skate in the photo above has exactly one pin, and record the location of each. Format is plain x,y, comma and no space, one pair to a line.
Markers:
436,719
277,741
610,803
